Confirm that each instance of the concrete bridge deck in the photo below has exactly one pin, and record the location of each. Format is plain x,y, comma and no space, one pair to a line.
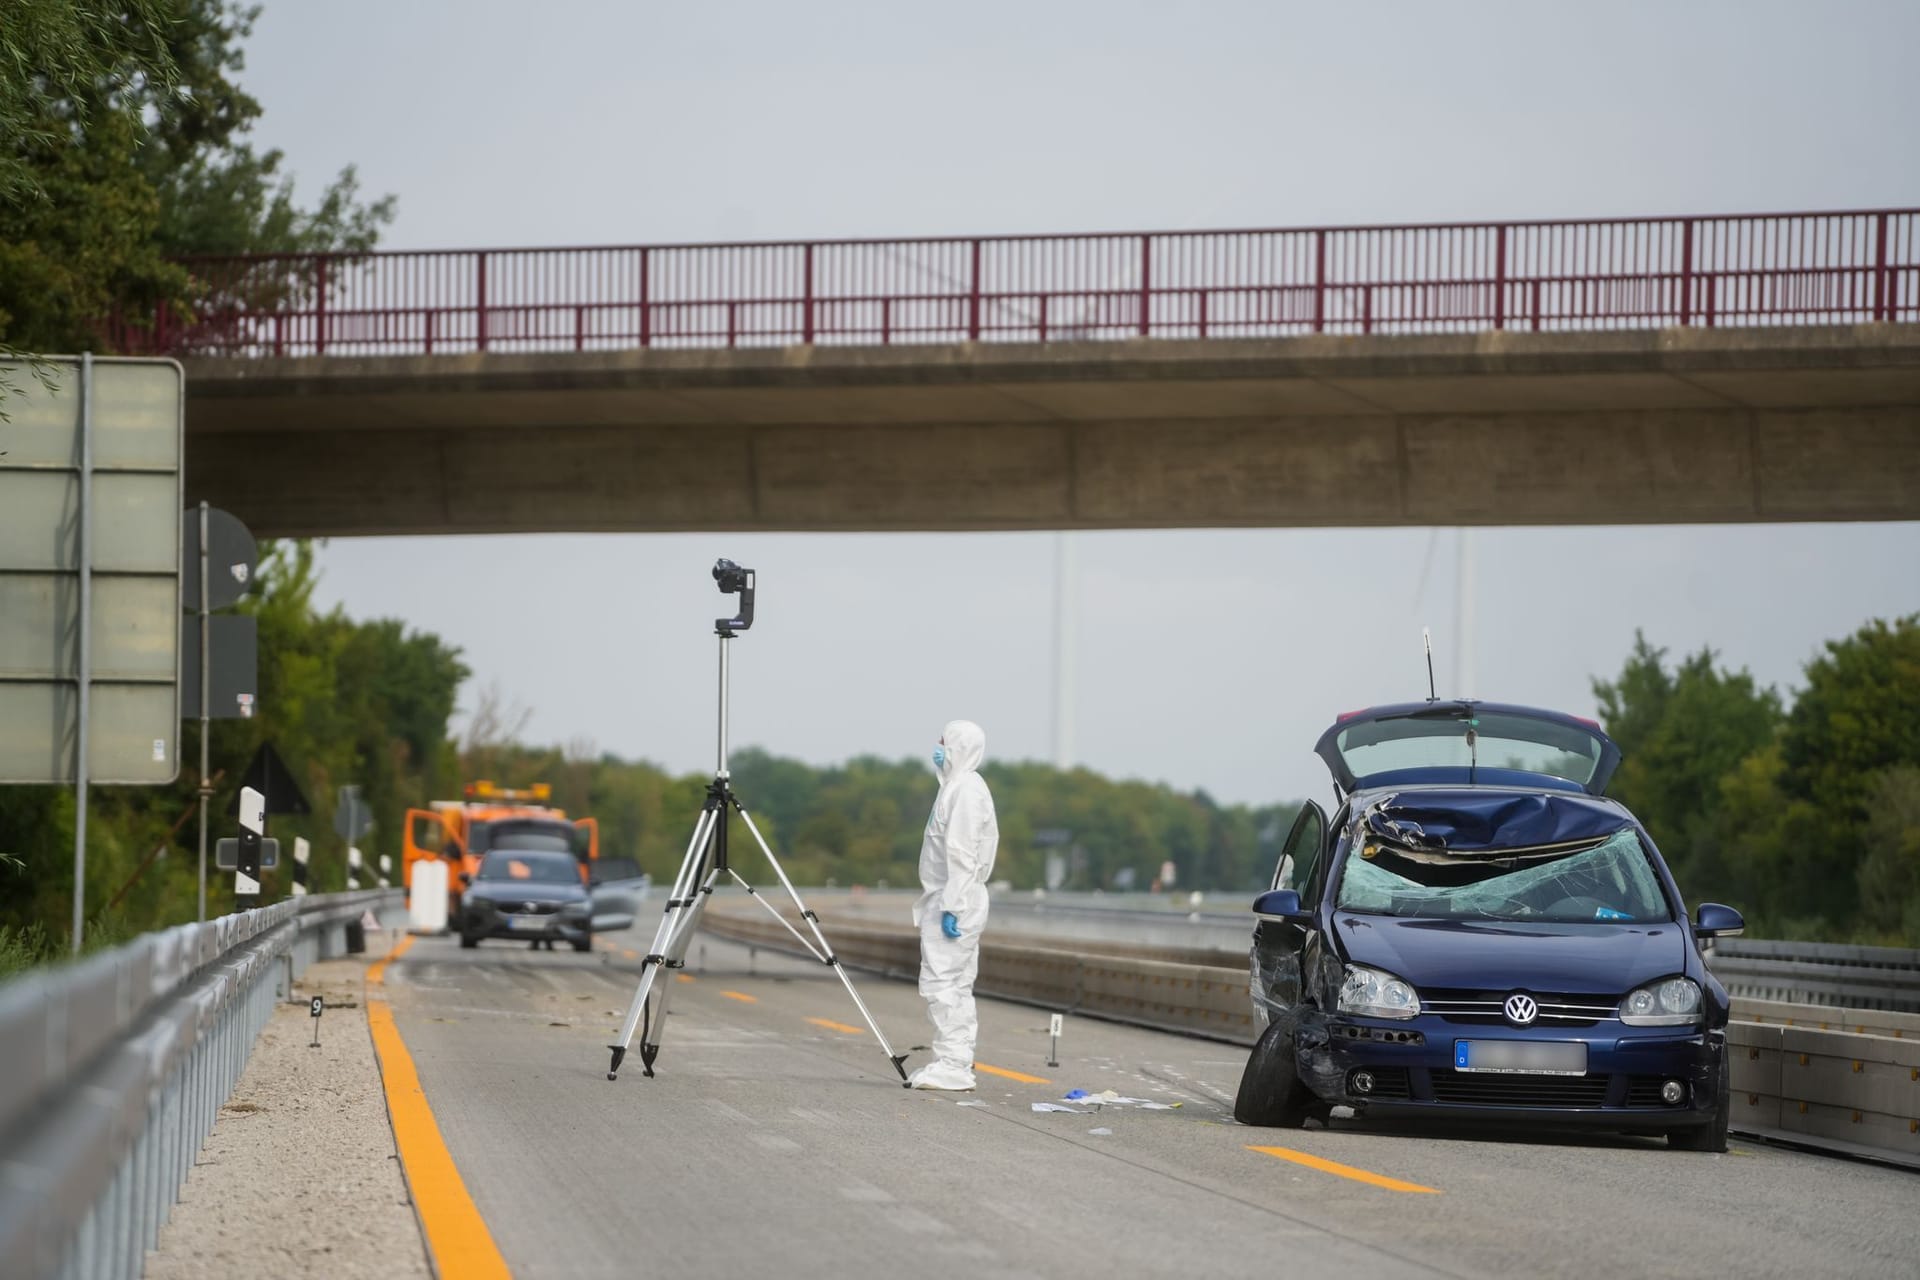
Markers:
1655,426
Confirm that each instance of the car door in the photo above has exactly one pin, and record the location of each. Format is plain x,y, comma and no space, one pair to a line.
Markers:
618,887
1278,944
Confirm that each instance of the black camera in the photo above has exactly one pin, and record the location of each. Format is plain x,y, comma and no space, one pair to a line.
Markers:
734,580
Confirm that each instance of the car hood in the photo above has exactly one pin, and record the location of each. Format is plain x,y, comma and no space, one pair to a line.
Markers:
1497,955
526,891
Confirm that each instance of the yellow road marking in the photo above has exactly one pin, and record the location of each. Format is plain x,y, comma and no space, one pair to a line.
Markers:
684,977
831,1025
741,996
1344,1170
457,1235
377,971
1021,1076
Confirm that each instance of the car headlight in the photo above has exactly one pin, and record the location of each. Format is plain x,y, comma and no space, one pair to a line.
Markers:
1670,1002
574,909
1377,994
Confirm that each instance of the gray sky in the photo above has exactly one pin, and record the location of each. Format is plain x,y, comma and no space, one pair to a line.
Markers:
572,123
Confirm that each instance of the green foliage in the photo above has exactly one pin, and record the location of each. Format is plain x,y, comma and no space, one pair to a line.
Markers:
1679,732
1807,820
343,702
126,145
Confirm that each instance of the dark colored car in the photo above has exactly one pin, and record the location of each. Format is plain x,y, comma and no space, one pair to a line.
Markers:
1479,933
531,894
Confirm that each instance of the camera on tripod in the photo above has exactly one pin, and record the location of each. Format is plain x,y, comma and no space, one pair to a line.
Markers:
734,580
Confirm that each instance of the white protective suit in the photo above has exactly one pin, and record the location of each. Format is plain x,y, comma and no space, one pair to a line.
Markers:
956,861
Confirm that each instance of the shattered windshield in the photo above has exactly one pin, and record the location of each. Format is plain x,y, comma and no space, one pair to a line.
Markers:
1611,881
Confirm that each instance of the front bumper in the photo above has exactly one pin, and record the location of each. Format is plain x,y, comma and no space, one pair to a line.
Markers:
1413,1072
483,922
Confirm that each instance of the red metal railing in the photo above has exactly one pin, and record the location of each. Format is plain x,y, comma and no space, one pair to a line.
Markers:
1762,269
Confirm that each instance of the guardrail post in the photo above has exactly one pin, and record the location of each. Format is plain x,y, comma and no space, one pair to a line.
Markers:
806,318
1319,282
973,297
646,304
480,302
1686,273
320,307
1146,284
1500,276
1880,268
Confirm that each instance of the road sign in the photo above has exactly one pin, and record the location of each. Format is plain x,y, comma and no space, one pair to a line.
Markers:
269,775
226,853
351,816
90,532
231,558
233,672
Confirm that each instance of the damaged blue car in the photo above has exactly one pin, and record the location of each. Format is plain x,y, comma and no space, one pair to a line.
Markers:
1480,934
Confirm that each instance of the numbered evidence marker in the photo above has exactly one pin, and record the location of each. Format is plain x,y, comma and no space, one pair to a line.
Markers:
253,821
1053,1030
315,1007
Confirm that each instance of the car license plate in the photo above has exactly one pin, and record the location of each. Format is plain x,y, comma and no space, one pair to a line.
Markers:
1522,1057
528,924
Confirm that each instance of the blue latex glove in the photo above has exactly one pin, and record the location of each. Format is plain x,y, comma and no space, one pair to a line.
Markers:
950,924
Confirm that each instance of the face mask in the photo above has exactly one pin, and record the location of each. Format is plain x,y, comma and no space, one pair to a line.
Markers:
939,757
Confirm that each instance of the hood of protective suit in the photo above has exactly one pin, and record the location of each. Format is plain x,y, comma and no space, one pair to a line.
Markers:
966,746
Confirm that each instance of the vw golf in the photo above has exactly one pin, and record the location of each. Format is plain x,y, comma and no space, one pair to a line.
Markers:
1479,933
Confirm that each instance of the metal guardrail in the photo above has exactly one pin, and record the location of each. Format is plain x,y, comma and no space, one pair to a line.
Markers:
1838,267
113,1070
1822,973
1843,1079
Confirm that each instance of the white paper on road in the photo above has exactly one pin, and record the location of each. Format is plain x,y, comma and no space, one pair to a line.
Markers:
1054,1106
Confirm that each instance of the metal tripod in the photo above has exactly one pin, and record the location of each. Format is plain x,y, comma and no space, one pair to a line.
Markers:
704,863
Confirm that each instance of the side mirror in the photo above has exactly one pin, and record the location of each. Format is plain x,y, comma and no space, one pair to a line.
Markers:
1715,921
1278,904
466,878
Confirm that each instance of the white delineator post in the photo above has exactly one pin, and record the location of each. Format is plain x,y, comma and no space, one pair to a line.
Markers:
301,852
253,820
353,866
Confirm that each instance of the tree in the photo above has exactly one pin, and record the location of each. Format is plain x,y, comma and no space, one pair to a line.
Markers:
126,148
1680,732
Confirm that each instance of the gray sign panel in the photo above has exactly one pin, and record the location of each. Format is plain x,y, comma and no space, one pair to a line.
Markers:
134,630
234,641
231,556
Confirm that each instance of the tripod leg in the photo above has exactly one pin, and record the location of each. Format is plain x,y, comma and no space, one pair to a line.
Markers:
674,957
825,951
685,886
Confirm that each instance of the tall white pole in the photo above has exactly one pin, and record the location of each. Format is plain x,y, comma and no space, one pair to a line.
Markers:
85,657
1464,677
1063,646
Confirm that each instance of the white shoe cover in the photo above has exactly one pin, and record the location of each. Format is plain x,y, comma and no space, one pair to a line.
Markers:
942,1075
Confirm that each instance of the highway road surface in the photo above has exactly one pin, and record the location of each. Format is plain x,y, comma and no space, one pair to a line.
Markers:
776,1140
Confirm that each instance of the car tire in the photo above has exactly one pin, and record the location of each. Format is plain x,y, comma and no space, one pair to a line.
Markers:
1711,1136
584,944
1271,1094
468,942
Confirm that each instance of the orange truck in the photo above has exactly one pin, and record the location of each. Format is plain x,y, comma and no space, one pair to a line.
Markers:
491,817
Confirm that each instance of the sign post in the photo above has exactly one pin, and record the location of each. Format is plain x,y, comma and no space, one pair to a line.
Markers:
217,538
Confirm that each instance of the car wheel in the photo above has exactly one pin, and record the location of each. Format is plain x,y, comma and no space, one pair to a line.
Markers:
1713,1135
468,942
585,943
1271,1094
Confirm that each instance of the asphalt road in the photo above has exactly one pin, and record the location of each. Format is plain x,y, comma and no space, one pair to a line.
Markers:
776,1140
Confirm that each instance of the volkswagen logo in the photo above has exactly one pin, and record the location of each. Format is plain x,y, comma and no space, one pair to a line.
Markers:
532,907
1521,1010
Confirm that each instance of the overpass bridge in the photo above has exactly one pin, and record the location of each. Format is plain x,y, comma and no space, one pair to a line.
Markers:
1660,370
